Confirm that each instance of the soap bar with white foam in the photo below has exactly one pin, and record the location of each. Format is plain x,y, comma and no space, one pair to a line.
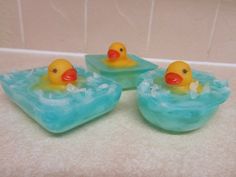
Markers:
179,112
60,111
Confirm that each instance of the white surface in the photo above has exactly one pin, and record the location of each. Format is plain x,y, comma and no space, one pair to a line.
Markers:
120,143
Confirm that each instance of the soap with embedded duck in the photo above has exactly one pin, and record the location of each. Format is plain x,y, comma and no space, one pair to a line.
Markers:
118,65
60,97
178,99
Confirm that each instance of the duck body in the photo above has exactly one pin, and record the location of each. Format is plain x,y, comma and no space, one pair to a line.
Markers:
60,73
178,78
117,57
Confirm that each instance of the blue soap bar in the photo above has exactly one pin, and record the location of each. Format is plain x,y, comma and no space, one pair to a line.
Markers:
176,112
126,77
61,110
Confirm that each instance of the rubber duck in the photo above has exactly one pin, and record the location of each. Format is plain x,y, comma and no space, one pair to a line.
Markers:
117,56
178,78
60,73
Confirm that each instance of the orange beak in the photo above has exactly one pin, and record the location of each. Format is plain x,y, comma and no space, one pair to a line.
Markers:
173,78
69,75
113,55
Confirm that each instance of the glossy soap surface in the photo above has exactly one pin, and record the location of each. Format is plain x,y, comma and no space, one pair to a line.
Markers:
127,77
179,112
61,110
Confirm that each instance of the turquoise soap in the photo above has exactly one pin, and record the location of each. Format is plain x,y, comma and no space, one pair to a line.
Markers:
179,112
61,110
126,77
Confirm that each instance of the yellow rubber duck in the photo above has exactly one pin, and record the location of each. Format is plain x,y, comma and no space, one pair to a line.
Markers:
117,56
178,78
60,73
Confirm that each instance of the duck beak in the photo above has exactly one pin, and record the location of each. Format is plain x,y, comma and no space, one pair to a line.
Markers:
113,55
69,75
173,78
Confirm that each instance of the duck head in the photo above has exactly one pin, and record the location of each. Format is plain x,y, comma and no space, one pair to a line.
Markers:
61,72
178,73
117,51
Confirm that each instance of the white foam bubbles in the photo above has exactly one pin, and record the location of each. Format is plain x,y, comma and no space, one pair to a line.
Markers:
96,76
144,87
154,90
71,88
47,100
112,88
103,86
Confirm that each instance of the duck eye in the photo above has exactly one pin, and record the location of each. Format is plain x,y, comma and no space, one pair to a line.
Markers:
54,70
121,49
184,71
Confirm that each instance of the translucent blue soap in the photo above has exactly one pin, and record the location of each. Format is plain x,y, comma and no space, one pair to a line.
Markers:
126,77
179,112
61,110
